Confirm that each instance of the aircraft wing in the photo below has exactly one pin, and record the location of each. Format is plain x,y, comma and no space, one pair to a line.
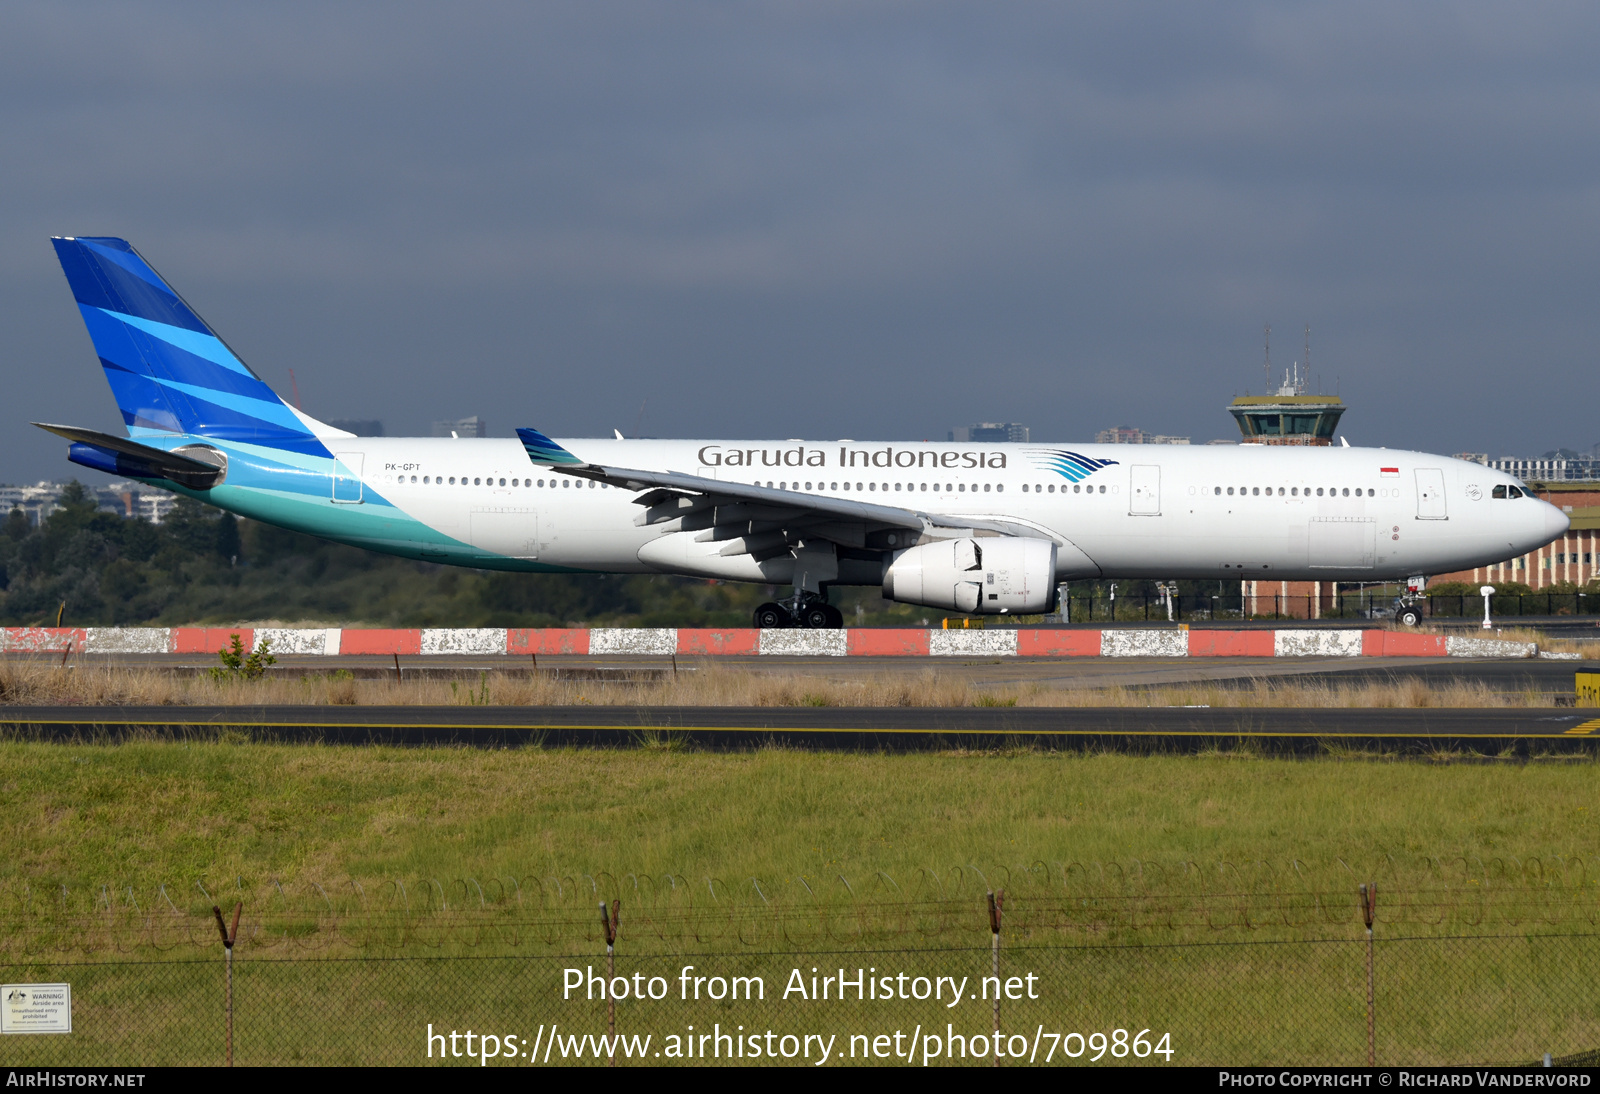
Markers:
760,520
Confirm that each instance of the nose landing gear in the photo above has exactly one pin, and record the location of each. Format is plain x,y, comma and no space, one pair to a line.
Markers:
806,610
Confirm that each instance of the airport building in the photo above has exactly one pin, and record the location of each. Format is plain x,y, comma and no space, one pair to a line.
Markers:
1547,469
1288,416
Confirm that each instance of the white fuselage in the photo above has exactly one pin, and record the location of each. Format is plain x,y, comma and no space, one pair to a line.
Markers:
1154,511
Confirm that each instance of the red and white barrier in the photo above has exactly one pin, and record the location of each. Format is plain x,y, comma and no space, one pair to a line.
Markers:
695,642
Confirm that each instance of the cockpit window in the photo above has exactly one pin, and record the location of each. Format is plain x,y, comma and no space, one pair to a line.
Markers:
1500,491
1513,492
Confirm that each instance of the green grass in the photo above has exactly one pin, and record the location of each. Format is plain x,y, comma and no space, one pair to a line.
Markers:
1211,896
87,815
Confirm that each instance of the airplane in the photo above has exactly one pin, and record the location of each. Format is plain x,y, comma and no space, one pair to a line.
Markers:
989,529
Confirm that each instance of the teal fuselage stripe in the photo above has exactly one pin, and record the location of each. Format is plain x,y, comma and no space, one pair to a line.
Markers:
298,496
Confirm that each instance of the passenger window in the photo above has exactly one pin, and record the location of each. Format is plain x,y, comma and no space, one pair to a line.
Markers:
1280,491
452,480
985,488
1052,488
962,488
999,488
1230,491
1319,491
566,484
1076,488
1347,491
1024,488
1256,490
1102,490
1294,491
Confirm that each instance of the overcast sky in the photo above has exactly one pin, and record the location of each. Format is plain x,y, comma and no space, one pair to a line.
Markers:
823,220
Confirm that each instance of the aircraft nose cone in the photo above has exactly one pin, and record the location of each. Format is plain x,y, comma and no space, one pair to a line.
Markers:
1556,522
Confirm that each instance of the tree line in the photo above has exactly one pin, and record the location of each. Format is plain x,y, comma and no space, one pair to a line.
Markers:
90,567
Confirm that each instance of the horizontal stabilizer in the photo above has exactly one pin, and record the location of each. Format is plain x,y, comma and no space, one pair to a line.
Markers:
130,459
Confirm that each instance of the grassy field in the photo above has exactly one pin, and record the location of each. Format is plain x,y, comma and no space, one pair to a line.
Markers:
1211,896
135,814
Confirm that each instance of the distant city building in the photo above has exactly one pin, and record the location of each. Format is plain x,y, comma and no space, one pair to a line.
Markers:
1127,434
1223,440
462,427
991,433
361,427
126,499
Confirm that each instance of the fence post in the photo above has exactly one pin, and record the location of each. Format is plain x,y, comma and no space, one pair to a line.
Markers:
1369,905
997,905
228,938
608,924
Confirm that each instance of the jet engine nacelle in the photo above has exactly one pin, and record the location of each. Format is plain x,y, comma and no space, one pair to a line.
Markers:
990,575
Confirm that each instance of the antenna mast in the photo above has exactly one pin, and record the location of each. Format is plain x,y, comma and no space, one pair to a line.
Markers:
1266,364
1308,352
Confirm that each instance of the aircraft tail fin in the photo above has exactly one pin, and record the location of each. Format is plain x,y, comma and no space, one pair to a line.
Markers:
168,370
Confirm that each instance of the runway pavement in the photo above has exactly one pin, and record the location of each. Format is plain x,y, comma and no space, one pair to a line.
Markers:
1078,672
1499,731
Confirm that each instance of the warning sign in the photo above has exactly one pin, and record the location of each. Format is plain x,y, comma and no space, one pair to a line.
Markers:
35,1008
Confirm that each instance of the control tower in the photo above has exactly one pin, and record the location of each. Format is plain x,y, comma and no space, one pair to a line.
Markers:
1288,415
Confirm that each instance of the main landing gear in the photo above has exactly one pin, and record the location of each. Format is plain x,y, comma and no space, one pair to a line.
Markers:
806,610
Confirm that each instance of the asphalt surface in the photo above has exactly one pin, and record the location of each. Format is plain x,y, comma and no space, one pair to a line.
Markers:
1083,672
1496,731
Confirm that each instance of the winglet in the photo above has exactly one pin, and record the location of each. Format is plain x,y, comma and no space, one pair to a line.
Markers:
543,450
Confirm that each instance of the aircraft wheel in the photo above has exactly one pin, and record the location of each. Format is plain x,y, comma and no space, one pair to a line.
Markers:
835,618
1409,617
771,617
816,617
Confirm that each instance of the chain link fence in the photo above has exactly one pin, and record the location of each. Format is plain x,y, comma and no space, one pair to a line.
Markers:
1500,998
